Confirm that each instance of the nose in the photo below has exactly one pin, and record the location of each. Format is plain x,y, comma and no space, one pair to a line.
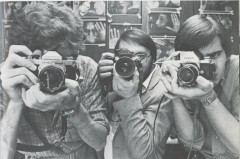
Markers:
91,33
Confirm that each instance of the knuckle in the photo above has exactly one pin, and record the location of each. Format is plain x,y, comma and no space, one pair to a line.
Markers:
2,76
23,70
11,48
22,78
45,109
5,84
41,100
75,85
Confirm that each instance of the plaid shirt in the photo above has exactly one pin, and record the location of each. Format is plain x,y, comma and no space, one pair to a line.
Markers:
34,122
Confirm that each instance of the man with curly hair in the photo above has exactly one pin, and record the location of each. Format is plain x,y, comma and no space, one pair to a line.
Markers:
67,124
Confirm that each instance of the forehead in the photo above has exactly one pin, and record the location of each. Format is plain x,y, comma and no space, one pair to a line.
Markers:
86,4
133,47
90,26
214,46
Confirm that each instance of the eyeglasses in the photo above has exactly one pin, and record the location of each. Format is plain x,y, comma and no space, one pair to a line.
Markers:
141,56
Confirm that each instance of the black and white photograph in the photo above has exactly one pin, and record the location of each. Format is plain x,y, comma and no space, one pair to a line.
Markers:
119,79
164,4
165,47
95,32
124,7
90,8
116,30
161,24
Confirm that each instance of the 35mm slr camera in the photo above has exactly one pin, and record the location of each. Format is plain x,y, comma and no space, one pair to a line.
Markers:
126,64
52,71
192,67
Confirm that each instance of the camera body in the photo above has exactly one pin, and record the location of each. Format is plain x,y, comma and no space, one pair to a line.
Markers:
126,64
192,67
52,71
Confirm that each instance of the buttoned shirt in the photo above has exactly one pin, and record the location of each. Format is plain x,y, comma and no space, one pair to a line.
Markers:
210,145
35,123
133,119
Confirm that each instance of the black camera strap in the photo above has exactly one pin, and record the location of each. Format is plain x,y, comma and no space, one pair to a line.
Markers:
64,127
32,148
140,71
47,146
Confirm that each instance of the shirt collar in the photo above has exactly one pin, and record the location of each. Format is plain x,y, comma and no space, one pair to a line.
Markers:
147,81
225,72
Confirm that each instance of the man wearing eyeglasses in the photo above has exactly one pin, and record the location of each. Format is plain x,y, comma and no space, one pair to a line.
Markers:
133,104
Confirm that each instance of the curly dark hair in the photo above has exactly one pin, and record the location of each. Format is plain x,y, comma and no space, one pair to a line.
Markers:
41,25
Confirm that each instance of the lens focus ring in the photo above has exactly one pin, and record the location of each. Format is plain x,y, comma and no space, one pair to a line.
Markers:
188,74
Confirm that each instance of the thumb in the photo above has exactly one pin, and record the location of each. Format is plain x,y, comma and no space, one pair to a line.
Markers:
73,87
204,84
24,98
136,76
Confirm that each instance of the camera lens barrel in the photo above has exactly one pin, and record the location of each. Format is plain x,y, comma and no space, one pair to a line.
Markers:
125,67
51,78
187,74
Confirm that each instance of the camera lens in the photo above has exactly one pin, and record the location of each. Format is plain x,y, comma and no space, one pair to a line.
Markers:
51,78
125,67
187,74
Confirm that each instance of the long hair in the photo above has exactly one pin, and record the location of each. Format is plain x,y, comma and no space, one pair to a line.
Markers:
138,37
41,25
198,31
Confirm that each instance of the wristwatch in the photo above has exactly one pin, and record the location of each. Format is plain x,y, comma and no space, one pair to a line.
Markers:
68,113
207,101
71,112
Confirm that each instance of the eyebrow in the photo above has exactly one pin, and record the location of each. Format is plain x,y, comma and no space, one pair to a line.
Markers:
212,53
141,52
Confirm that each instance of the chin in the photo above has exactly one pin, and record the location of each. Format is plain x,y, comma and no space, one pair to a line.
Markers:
91,40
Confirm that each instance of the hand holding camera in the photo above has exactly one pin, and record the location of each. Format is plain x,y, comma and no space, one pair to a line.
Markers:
17,71
105,65
20,72
67,99
125,88
187,79
52,70
120,67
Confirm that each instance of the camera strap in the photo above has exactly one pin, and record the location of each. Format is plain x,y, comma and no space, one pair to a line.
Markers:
140,71
47,146
64,127
32,148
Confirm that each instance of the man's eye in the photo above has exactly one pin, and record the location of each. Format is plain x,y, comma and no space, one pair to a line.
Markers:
216,55
141,56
